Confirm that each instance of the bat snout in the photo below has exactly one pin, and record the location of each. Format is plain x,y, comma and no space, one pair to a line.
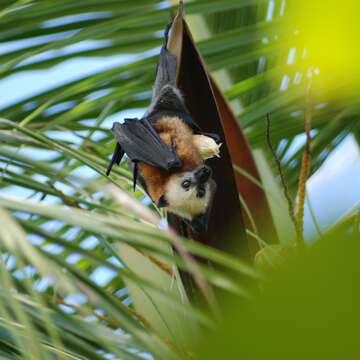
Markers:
203,174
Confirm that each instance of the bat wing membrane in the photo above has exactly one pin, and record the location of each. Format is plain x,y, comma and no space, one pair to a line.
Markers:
139,140
167,99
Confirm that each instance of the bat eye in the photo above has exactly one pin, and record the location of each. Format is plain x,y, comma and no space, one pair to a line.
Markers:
186,184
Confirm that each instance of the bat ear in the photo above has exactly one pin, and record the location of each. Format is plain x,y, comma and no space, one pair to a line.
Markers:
162,202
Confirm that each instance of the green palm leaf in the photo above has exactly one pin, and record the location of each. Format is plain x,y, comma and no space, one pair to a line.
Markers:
83,275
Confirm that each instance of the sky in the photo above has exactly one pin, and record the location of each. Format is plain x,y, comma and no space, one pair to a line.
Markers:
334,190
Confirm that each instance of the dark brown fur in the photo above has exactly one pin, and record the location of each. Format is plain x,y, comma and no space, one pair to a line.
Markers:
172,130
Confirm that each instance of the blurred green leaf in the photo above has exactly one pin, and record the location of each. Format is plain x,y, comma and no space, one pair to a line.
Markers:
307,308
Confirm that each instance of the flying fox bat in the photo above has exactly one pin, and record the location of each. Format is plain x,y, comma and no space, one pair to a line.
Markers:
167,150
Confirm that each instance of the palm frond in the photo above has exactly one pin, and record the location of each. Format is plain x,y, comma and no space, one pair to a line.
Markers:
67,288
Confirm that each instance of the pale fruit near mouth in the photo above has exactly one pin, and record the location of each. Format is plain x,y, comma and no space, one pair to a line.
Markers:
207,146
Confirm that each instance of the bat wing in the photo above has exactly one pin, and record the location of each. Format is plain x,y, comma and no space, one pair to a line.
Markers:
139,140
167,99
165,72
116,158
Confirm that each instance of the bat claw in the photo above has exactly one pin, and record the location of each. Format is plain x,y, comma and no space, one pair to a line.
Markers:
135,175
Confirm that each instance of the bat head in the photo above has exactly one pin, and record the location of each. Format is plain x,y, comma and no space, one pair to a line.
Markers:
189,195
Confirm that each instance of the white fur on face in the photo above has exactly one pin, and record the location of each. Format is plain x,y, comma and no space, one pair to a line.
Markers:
183,202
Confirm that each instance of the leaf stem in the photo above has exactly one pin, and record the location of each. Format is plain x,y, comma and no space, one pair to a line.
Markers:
305,168
282,177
